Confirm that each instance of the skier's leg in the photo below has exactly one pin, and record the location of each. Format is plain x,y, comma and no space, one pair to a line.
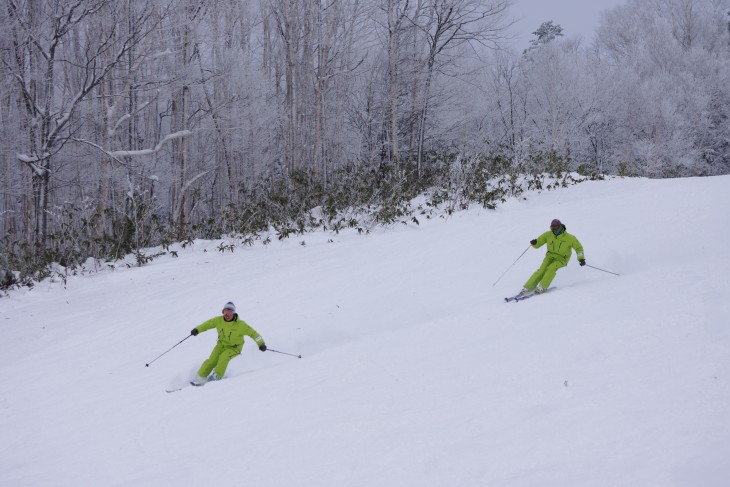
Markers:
225,357
537,275
208,365
550,272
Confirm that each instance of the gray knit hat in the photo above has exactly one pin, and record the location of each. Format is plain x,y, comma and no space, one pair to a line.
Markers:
230,305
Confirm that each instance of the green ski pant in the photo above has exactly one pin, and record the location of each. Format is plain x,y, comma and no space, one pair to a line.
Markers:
218,360
545,274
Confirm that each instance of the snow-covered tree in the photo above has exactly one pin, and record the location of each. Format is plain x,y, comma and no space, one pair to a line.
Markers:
59,55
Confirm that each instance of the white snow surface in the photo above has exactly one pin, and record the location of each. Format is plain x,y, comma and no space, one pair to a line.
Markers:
415,372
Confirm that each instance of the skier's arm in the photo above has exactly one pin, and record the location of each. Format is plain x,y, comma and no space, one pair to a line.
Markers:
257,338
203,327
540,241
578,249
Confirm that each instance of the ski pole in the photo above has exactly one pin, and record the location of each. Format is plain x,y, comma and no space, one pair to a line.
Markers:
513,263
163,353
284,353
588,265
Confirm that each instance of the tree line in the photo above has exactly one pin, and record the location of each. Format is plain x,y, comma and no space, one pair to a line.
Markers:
133,123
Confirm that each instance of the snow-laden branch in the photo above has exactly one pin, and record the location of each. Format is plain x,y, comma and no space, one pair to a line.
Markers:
101,149
126,116
121,120
157,148
193,179
27,159
32,162
115,155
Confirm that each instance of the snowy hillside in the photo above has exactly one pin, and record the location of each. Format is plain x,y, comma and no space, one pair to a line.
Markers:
414,370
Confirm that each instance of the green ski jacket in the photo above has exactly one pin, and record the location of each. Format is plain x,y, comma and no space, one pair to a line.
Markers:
230,333
558,246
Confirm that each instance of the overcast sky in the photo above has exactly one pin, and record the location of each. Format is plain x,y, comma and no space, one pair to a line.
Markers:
577,17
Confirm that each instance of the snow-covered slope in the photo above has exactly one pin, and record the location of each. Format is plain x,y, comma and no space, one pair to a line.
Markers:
414,370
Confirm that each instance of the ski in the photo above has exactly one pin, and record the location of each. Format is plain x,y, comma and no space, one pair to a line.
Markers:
183,387
526,296
194,384
517,298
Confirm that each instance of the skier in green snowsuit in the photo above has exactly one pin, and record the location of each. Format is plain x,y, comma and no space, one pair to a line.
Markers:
559,245
231,330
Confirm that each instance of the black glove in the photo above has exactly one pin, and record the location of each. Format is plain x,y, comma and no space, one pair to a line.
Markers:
262,348
582,262
533,241
194,331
